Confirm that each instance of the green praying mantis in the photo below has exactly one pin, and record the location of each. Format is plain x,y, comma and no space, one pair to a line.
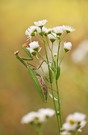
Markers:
37,79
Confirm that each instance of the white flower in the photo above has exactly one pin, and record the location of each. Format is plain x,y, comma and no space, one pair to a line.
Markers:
34,45
52,36
67,46
30,31
58,30
38,29
68,28
28,118
37,117
40,23
75,122
40,118
69,126
34,48
80,54
47,112
65,133
79,117
46,30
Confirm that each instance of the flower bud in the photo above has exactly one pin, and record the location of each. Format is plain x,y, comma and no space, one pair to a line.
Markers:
52,37
67,46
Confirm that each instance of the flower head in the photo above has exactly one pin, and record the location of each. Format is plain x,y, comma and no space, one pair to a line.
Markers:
67,46
30,31
28,118
34,48
41,23
38,117
68,29
58,30
70,126
74,122
34,45
47,112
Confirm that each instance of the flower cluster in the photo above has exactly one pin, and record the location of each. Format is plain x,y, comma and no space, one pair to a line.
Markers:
39,117
74,123
52,34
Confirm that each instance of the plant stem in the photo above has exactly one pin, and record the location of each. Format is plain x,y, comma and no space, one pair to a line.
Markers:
55,108
59,105
57,89
39,129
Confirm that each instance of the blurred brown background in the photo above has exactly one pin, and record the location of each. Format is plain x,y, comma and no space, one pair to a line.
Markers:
18,95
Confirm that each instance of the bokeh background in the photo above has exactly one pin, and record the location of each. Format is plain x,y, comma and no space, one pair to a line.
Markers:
18,95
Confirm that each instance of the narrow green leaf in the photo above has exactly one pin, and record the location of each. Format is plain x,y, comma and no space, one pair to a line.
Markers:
57,73
53,66
50,76
35,80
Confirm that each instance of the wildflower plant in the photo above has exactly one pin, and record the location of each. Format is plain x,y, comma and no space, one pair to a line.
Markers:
41,38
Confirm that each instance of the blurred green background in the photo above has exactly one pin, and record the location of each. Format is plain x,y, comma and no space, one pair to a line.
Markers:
18,95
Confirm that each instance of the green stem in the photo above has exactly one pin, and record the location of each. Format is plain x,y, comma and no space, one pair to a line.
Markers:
58,51
57,89
39,129
55,108
59,105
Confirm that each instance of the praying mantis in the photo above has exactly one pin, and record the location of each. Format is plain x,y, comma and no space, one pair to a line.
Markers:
37,78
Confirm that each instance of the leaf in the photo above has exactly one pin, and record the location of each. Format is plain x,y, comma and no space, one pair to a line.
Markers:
50,76
57,73
35,80
53,66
